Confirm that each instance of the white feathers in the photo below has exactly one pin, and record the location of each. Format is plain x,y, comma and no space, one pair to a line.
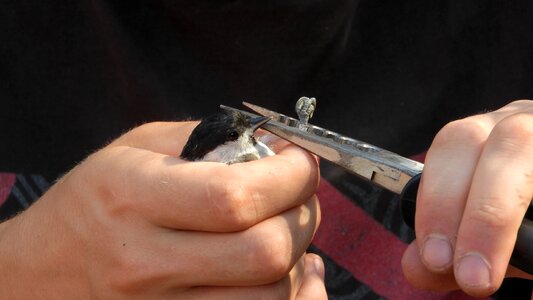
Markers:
241,150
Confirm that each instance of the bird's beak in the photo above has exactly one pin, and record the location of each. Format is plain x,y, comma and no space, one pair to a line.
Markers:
258,122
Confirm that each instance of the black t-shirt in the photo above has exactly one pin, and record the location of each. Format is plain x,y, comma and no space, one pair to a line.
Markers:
75,75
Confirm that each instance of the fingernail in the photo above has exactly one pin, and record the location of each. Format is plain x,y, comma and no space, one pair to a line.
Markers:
319,266
437,252
473,271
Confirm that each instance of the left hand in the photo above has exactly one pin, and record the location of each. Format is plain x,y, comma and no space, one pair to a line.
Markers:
476,187
133,221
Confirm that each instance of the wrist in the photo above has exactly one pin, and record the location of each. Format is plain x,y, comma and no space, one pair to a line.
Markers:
34,258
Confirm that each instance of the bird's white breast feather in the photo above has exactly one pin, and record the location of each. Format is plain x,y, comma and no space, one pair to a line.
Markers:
239,150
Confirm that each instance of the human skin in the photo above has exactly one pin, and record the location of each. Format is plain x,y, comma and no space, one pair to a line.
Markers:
133,221
476,187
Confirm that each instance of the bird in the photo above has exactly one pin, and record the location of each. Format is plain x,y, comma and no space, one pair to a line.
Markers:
226,137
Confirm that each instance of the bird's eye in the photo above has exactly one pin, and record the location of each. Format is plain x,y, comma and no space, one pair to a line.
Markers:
233,135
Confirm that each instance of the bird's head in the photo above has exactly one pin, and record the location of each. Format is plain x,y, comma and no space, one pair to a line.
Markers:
226,137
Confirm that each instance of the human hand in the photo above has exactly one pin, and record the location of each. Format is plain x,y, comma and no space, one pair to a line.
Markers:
476,187
133,221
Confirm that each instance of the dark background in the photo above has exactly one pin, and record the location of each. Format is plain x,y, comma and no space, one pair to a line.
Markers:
75,75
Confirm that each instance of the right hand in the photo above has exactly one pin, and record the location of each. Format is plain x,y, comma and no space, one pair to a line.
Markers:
476,187
133,221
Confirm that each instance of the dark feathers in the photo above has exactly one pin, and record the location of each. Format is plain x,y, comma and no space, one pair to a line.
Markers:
213,131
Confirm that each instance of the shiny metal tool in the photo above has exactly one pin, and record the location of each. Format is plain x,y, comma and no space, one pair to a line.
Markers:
386,169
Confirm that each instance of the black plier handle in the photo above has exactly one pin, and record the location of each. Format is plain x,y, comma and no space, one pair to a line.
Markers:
386,169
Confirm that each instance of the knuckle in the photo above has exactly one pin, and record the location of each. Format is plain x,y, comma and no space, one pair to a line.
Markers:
517,128
491,216
232,204
271,255
520,103
149,125
470,130
143,129
128,273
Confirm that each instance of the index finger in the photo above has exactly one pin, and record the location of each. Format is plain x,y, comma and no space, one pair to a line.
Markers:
500,194
205,196
161,137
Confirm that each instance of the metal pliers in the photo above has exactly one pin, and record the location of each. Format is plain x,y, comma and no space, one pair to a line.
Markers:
386,169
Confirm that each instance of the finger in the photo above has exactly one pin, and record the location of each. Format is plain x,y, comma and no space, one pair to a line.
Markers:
285,288
260,255
312,287
160,137
500,194
202,195
450,164
419,276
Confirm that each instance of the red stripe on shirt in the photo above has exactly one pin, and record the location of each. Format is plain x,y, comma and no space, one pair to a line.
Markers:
7,180
370,252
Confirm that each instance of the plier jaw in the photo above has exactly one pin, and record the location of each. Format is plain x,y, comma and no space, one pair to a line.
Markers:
389,170
384,168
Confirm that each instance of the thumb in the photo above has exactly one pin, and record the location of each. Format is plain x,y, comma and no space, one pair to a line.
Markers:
312,287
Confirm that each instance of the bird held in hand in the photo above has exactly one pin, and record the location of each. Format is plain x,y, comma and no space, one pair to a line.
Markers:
226,137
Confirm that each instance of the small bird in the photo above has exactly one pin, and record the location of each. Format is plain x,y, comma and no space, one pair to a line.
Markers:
226,137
